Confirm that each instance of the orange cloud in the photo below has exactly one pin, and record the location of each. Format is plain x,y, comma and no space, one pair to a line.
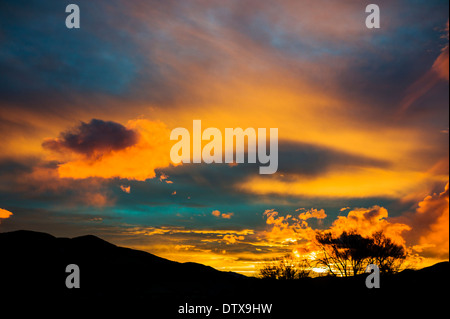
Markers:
351,183
313,213
165,178
44,179
5,213
125,189
441,65
287,230
430,225
184,247
151,231
98,199
367,221
218,214
227,215
293,234
136,161
439,72
232,239
424,233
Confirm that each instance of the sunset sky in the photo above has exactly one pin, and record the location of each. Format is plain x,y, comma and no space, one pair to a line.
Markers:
362,116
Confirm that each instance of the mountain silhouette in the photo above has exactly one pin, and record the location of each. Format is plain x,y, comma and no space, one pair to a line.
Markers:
33,264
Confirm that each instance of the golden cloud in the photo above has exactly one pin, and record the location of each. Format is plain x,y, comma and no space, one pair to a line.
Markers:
232,239
5,213
313,213
357,182
367,221
292,233
150,231
125,189
286,230
133,160
218,214
429,223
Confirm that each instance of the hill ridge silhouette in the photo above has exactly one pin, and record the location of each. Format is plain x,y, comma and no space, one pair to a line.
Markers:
32,267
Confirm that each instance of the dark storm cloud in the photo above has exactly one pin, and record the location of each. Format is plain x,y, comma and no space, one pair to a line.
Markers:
294,158
312,160
95,137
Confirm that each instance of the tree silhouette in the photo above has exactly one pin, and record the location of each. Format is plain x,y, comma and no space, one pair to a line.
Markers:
384,253
344,255
286,268
350,253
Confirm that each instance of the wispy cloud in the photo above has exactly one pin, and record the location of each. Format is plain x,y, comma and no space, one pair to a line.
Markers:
438,72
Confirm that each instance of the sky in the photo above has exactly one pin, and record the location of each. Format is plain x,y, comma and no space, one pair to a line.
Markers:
362,117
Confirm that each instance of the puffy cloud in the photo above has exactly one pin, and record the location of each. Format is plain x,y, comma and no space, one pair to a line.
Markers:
294,234
313,213
429,223
94,139
5,213
367,221
227,215
218,214
143,146
232,239
286,230
165,178
125,189
423,232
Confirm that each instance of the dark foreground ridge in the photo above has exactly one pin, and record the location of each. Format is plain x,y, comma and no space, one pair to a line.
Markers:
112,278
